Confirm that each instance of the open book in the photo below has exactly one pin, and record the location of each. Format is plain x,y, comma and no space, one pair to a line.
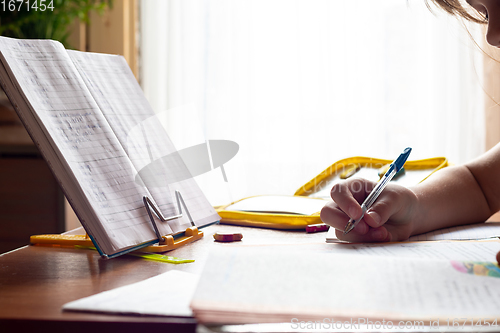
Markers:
90,120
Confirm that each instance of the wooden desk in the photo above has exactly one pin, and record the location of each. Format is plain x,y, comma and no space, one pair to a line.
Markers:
36,281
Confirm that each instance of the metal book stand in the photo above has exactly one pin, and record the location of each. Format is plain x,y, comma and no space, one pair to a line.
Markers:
172,241
165,242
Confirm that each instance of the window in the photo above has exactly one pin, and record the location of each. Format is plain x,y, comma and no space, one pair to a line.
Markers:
301,84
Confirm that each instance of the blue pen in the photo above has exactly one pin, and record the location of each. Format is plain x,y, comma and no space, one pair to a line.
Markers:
370,199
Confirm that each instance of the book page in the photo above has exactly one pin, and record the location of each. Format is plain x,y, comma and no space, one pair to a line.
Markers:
257,286
95,173
159,167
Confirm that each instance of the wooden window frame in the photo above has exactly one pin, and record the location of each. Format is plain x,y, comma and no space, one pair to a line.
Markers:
113,32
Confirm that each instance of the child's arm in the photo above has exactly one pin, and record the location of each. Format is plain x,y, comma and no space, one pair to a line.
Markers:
452,196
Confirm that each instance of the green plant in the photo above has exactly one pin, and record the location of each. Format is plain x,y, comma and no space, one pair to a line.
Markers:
27,22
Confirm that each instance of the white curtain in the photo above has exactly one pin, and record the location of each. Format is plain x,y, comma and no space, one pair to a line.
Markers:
300,84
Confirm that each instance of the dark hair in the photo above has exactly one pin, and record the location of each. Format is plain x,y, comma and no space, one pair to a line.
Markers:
455,7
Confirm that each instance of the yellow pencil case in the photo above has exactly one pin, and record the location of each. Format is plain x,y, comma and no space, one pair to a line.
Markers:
273,211
302,209
415,172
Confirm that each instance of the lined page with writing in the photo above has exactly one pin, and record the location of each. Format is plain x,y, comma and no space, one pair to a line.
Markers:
97,174
144,139
257,288
465,232
466,251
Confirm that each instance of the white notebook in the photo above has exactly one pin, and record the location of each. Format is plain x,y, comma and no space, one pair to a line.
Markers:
90,120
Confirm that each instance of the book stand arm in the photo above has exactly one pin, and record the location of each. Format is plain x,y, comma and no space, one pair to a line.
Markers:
150,205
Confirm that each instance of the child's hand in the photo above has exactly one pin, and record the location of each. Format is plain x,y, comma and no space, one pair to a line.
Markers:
390,218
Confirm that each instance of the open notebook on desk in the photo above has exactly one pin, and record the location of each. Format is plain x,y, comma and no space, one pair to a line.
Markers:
90,120
465,232
241,279
424,282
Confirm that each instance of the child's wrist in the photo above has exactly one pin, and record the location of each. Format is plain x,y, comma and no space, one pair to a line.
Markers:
416,214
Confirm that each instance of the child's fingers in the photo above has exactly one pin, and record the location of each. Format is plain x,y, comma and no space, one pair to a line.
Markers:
393,205
342,195
380,234
383,209
398,233
332,215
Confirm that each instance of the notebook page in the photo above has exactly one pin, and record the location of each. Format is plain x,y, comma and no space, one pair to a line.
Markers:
144,139
464,251
257,287
465,232
96,164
